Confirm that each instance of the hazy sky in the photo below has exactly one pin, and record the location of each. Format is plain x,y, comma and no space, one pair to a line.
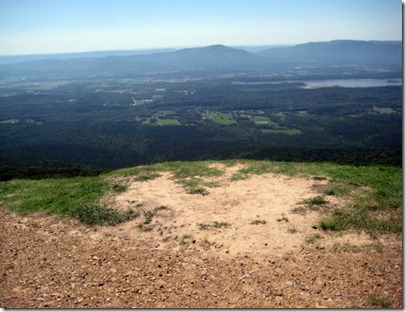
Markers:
52,26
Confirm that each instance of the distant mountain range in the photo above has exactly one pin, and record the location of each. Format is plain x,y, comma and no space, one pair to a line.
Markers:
217,58
341,52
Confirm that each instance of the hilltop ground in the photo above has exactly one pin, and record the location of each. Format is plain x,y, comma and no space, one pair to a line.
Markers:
243,243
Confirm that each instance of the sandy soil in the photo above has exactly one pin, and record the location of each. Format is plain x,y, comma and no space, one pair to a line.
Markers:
238,246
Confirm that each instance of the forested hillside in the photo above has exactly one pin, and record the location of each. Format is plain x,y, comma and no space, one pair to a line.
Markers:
213,102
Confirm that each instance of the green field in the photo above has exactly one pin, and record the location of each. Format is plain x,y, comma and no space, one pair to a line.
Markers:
220,118
266,125
162,122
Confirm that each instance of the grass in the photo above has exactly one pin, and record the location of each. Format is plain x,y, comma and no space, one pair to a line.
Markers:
256,222
373,194
266,125
315,201
63,196
100,215
185,239
379,302
221,118
313,238
147,176
213,225
347,247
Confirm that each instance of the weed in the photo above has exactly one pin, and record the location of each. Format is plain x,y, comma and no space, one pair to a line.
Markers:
379,302
185,239
317,178
206,244
347,247
316,201
377,246
166,239
148,216
219,225
300,210
215,224
119,188
331,225
147,176
144,228
292,229
99,215
204,226
256,222
283,218
197,191
313,238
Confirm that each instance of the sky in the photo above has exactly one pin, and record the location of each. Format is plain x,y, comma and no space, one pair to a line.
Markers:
60,26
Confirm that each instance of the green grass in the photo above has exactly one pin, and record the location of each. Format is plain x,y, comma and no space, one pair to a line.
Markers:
52,195
266,125
76,198
379,302
313,238
373,194
221,118
214,225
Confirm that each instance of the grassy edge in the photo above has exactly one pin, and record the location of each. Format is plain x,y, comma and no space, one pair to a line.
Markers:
375,209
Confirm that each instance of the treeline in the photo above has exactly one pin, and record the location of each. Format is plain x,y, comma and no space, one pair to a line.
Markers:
36,173
340,156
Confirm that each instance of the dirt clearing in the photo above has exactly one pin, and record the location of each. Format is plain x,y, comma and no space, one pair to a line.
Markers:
239,243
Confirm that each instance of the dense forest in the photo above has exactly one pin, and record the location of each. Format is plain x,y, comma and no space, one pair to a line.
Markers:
114,121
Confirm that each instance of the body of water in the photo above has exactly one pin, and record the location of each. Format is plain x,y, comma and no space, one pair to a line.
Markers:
346,83
351,83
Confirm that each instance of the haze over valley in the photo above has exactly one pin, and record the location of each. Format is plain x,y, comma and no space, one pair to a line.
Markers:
283,103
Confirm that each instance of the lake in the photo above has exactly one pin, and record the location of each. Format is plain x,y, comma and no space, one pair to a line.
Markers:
351,83
346,83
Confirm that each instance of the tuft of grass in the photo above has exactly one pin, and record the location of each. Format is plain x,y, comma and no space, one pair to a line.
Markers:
332,225
118,188
147,176
283,218
379,302
197,191
166,239
100,215
313,238
185,239
215,224
347,247
300,210
316,201
142,227
292,229
256,222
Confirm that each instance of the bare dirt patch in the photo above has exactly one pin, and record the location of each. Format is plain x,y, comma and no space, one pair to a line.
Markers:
238,246
250,216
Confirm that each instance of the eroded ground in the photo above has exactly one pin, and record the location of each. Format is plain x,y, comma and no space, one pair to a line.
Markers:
238,245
